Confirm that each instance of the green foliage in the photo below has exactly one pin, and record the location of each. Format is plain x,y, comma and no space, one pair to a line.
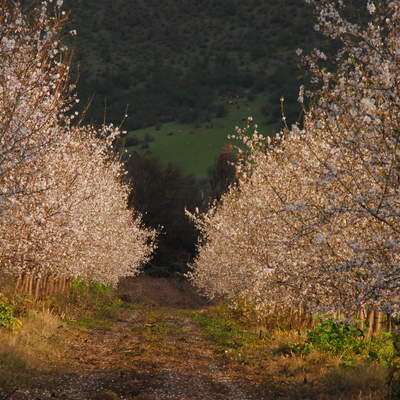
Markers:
176,61
195,146
347,341
383,349
82,288
337,337
7,316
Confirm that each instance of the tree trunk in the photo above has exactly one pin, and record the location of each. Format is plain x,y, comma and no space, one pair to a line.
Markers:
388,323
371,318
377,322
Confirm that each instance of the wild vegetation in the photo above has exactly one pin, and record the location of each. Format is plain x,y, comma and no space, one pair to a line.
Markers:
184,61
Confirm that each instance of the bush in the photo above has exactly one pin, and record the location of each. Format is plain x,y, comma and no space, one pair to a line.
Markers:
337,337
348,342
132,141
7,318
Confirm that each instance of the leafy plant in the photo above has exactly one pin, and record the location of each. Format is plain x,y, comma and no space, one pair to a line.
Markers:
337,337
7,318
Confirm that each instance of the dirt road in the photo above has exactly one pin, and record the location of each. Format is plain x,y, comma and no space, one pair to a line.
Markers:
148,354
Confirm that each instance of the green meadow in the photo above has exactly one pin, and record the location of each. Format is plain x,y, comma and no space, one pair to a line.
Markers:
194,147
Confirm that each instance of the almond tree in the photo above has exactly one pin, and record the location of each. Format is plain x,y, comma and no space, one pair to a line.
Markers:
64,204
315,217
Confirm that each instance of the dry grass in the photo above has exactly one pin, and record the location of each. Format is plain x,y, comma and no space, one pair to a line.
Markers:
366,381
322,376
34,347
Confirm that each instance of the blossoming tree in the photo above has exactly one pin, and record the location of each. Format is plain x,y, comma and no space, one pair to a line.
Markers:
63,201
315,217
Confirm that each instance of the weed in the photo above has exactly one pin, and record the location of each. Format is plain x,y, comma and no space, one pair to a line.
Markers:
228,334
337,337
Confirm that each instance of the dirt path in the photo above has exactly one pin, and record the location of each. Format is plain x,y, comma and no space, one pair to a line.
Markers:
151,352
148,354
198,373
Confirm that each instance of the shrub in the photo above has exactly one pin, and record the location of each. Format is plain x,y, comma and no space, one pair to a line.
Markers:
7,318
337,337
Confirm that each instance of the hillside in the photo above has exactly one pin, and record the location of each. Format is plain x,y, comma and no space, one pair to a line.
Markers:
184,60
194,147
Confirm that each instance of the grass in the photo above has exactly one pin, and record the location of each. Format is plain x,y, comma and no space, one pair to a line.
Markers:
31,349
154,336
36,347
88,304
195,148
228,334
90,323
158,324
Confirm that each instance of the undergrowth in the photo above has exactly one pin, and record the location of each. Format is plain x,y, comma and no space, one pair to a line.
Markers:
90,304
334,355
31,348
350,344
8,320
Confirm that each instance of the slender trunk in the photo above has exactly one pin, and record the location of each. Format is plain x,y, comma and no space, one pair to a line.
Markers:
30,287
38,285
45,285
377,322
371,318
50,285
24,283
388,323
291,318
18,284
361,318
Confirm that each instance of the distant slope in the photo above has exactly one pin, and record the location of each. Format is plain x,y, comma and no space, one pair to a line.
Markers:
178,64
173,60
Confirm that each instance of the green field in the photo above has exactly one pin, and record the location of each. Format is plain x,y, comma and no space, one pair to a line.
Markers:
195,148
